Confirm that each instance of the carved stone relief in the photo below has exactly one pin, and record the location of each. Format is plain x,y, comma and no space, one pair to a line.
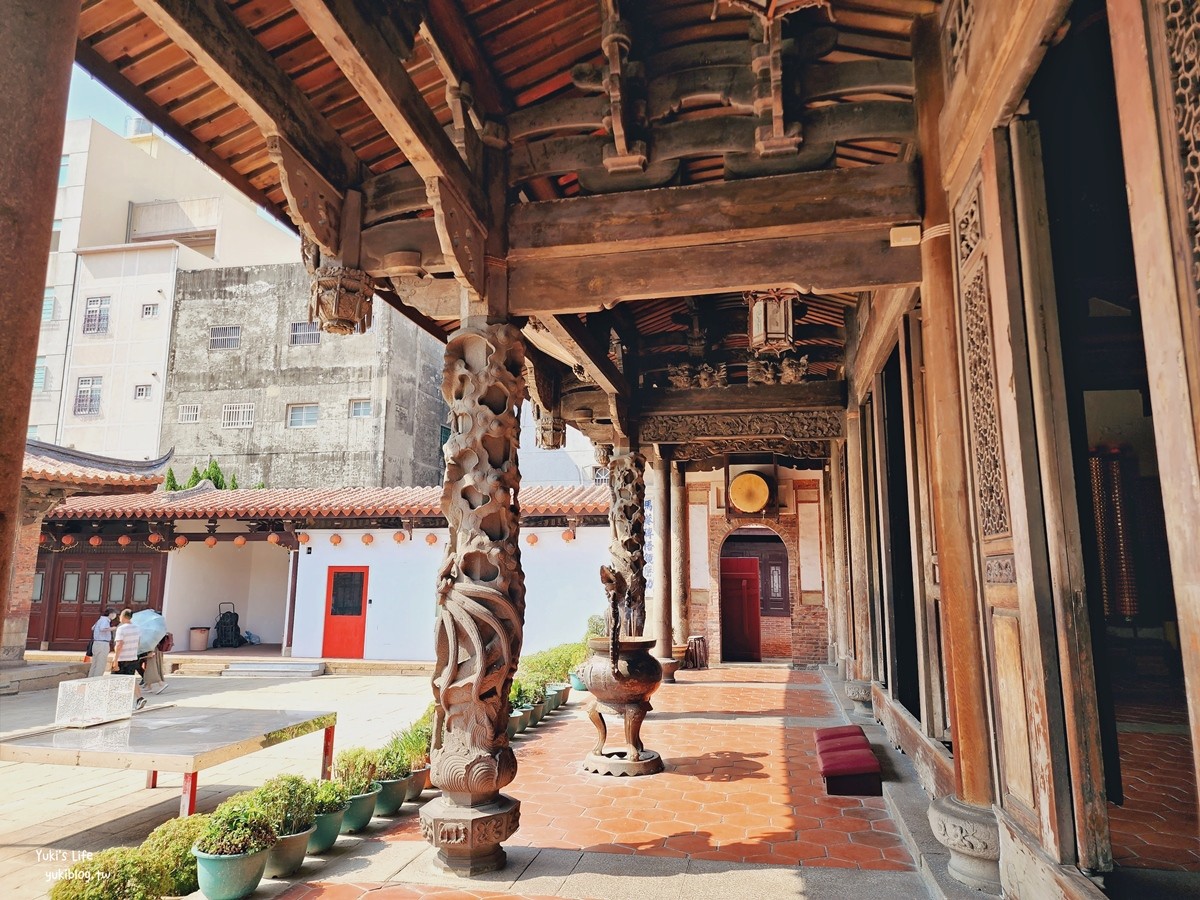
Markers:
1183,47
979,360
481,588
627,546
811,424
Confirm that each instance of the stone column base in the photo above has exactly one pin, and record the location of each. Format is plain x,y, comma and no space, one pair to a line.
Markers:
669,667
972,836
860,693
468,838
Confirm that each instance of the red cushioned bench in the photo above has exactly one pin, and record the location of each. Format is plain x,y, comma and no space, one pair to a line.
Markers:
847,763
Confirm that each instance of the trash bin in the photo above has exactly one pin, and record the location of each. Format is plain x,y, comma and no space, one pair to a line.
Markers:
198,639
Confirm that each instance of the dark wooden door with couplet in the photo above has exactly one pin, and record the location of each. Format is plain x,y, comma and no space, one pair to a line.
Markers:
741,639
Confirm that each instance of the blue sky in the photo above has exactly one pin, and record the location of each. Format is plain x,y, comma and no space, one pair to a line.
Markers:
89,99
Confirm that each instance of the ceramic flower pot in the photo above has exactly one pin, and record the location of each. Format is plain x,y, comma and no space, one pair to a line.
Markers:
287,855
325,831
526,718
392,794
563,690
418,781
514,720
577,682
359,812
539,711
229,877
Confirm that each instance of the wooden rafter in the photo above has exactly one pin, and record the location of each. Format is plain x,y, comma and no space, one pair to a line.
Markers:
374,67
228,54
574,337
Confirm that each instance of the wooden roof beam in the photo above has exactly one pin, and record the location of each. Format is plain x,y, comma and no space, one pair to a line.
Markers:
374,67
460,57
821,263
574,337
210,33
838,200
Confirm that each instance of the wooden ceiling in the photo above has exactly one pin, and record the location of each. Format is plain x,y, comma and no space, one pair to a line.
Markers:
697,80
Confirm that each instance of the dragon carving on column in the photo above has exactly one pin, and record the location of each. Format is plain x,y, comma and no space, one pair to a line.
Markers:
625,581
481,588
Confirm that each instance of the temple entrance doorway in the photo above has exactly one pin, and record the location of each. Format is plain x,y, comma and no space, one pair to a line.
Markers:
1140,701
756,621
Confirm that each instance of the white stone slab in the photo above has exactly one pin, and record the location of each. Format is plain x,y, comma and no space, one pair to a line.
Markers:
93,701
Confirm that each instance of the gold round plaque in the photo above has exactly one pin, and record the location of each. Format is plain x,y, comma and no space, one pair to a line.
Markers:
749,492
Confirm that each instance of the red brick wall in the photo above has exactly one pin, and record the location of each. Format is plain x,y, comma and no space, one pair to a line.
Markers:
810,637
776,637
15,623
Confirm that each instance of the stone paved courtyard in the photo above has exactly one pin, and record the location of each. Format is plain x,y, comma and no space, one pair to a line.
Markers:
740,810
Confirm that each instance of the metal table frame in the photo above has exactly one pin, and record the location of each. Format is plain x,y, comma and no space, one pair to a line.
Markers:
115,745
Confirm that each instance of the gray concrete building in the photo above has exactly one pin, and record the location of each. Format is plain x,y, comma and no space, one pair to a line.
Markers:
253,385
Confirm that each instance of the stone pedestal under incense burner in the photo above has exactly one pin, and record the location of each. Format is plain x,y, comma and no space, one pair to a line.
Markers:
625,693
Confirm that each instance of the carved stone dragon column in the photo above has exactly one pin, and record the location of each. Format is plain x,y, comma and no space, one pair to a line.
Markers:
627,523
481,602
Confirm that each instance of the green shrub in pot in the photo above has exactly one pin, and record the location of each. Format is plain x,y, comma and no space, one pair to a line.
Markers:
171,844
119,873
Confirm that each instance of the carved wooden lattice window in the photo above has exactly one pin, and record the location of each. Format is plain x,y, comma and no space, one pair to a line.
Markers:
960,21
1183,46
979,361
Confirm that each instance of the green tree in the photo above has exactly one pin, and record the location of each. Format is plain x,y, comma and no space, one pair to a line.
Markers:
260,486
233,482
170,484
214,474
194,479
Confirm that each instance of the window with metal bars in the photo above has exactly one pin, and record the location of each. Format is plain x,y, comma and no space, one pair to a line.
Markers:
305,333
237,415
87,395
225,337
95,315
189,413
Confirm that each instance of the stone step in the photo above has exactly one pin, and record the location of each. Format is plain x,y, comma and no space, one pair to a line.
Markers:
274,669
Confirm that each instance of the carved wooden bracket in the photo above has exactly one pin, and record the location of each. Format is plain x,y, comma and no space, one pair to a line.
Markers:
314,205
462,235
773,137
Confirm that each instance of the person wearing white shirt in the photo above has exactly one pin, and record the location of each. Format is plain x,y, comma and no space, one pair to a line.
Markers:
125,653
102,636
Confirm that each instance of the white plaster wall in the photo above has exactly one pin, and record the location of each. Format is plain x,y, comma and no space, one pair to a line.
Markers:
562,588
808,521
253,578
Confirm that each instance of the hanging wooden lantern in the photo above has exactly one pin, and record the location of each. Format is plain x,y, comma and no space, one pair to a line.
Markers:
771,319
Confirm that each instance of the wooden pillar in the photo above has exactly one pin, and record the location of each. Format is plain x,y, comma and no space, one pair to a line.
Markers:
679,555
859,551
480,601
970,811
37,45
663,593
840,606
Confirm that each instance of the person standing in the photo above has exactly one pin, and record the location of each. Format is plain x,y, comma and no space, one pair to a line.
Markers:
102,637
125,653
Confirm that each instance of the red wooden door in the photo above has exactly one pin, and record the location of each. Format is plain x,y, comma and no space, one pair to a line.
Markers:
345,612
740,625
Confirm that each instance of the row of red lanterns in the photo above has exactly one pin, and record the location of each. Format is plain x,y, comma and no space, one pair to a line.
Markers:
399,537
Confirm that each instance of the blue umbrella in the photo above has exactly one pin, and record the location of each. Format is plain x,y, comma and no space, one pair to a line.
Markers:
151,629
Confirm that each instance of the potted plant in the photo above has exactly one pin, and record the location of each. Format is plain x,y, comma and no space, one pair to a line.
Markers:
171,845
537,700
231,853
330,803
394,776
291,802
355,769
413,743
128,873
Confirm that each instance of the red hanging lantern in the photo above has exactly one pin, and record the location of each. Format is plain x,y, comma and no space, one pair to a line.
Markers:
431,539
399,537
155,538
273,538
302,537
568,535
335,539
95,540
239,541
368,539
68,541
181,542
531,539
124,540
210,541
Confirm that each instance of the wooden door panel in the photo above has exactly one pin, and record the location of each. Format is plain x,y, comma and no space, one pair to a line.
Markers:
741,637
345,612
